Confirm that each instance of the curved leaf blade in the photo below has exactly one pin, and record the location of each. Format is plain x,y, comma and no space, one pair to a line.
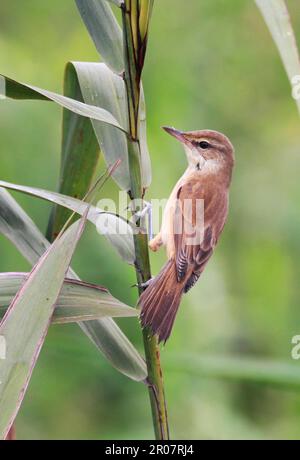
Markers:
104,31
26,322
100,86
118,350
102,333
77,301
277,18
146,169
17,226
237,368
18,90
79,155
116,230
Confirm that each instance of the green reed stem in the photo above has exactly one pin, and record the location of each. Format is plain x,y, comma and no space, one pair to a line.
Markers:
134,53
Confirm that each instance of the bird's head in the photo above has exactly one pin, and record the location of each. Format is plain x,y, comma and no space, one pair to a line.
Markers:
206,150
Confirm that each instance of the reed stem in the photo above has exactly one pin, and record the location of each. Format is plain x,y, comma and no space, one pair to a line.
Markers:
134,53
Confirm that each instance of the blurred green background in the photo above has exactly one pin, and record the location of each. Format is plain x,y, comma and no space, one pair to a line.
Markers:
211,64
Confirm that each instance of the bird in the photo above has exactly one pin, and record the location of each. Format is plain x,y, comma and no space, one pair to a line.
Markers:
189,239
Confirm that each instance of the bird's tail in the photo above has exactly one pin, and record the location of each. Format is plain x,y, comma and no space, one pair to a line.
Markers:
160,301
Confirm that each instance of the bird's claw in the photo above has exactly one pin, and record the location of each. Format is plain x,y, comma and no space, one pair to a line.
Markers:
147,210
143,285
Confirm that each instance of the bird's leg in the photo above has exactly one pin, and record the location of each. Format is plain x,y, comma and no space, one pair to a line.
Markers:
147,283
147,210
144,285
156,242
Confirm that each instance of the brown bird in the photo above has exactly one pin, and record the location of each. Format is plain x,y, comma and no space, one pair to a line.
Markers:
189,237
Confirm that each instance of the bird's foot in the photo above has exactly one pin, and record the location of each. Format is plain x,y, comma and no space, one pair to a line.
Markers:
147,208
143,285
140,216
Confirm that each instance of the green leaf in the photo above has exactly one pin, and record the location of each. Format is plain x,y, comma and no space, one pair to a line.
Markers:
115,229
241,368
100,86
104,333
97,85
109,338
77,301
104,31
17,90
79,154
146,169
26,322
17,226
278,20
145,12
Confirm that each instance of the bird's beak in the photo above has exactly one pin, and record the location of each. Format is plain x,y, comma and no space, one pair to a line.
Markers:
189,148
176,133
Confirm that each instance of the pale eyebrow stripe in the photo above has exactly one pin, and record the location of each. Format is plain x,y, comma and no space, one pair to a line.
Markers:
213,143
200,139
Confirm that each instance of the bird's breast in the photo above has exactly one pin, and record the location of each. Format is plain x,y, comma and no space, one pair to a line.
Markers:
167,228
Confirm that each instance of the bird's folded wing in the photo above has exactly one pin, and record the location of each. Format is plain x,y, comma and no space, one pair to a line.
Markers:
199,218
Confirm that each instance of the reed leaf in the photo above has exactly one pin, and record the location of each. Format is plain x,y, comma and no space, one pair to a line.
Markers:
77,301
237,368
26,322
115,229
146,168
277,18
20,229
17,90
104,31
17,226
79,155
101,87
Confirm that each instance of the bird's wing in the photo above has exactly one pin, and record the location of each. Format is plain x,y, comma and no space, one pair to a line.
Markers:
199,218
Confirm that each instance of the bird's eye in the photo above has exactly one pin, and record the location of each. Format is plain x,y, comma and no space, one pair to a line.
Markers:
203,145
